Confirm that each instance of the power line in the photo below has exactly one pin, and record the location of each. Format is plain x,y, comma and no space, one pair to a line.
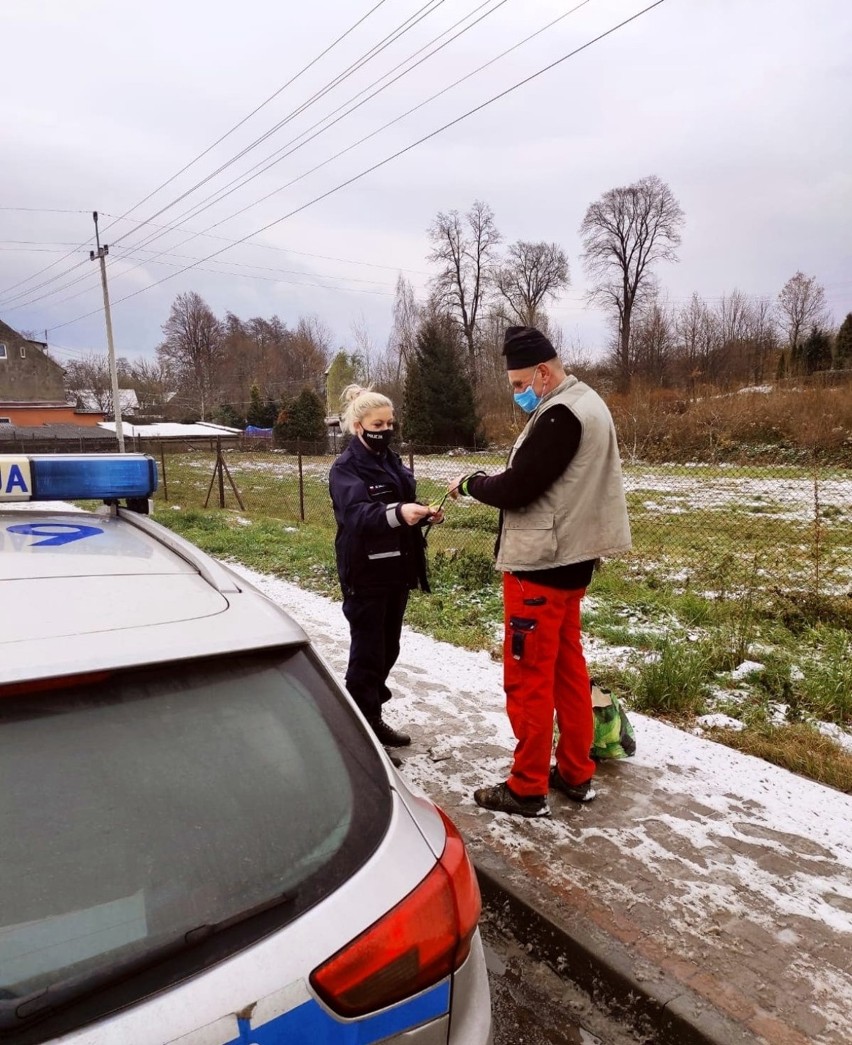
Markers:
395,155
384,126
301,253
42,210
9,307
53,264
376,48
431,4
92,285
254,111
248,176
387,292
38,243
372,134
392,37
402,116
132,252
277,279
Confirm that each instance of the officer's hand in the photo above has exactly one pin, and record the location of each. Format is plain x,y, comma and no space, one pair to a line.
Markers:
412,513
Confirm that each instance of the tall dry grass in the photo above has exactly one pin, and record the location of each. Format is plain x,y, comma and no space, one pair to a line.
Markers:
795,424
790,425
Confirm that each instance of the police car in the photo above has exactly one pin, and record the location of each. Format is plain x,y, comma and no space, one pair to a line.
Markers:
202,842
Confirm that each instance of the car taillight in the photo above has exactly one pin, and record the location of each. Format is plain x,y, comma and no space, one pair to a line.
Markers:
425,938
25,689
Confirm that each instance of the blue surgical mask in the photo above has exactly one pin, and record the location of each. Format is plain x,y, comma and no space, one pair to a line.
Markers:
528,400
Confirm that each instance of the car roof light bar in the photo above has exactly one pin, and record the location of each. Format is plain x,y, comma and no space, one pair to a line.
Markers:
62,477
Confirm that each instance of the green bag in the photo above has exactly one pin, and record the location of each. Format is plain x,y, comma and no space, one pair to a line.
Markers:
614,736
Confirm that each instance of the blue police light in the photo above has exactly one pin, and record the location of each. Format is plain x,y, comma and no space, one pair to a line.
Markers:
62,477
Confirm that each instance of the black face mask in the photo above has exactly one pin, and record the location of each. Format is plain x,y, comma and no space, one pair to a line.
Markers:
377,441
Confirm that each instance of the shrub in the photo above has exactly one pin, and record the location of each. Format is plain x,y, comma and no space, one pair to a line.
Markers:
675,682
470,571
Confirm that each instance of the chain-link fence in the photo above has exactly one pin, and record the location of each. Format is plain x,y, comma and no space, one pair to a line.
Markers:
716,529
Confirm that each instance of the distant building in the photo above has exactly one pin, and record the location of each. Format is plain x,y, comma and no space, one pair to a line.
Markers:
32,388
93,402
175,430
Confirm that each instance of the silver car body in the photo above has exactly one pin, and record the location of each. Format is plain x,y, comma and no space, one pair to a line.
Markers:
108,589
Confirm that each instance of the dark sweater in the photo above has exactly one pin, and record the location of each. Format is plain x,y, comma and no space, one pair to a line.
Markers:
540,460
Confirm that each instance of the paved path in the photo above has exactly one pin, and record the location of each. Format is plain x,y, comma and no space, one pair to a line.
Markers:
708,889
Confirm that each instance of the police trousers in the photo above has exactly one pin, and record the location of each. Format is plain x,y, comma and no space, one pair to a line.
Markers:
375,625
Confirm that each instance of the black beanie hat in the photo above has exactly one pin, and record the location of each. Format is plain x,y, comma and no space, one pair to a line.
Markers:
524,347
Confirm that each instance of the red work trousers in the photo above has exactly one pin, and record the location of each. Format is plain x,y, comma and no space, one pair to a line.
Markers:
544,671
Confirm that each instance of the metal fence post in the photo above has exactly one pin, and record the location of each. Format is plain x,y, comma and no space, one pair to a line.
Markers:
221,473
163,470
301,481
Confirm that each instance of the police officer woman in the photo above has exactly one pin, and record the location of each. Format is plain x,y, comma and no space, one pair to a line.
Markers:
380,550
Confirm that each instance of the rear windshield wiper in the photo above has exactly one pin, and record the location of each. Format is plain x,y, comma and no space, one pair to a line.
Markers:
201,932
15,1009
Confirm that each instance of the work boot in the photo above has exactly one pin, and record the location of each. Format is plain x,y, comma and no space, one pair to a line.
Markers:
387,735
576,792
502,799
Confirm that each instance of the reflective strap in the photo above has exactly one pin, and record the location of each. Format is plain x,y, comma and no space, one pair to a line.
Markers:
391,517
385,555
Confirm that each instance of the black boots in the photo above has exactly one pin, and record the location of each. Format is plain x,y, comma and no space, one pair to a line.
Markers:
387,735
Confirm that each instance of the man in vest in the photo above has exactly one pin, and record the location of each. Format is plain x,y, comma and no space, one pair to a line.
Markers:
562,507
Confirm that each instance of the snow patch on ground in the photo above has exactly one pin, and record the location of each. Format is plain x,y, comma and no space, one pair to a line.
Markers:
731,799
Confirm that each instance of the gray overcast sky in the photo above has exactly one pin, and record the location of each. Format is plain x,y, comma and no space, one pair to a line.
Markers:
743,106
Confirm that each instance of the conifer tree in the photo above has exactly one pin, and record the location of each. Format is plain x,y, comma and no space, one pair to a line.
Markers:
815,352
261,412
438,407
346,369
843,345
416,416
302,418
227,415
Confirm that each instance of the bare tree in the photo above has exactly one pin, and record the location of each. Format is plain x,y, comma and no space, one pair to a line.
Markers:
463,249
403,335
625,233
192,348
89,379
576,357
309,354
531,274
654,341
697,333
801,305
153,383
762,342
365,347
744,338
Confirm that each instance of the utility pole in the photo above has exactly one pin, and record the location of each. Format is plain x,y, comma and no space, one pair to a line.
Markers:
101,254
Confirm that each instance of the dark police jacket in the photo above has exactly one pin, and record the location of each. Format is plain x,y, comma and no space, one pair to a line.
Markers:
374,547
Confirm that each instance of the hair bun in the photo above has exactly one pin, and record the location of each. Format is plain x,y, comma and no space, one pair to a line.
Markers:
351,393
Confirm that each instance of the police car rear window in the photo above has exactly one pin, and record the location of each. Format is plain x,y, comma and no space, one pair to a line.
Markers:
152,807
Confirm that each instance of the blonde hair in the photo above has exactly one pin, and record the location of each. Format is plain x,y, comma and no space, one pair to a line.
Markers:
357,403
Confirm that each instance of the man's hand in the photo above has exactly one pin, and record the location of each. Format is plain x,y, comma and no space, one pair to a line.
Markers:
453,488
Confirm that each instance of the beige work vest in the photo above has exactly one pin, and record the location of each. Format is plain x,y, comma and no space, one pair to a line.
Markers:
583,515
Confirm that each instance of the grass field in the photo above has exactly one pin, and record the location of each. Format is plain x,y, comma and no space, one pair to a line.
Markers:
733,609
